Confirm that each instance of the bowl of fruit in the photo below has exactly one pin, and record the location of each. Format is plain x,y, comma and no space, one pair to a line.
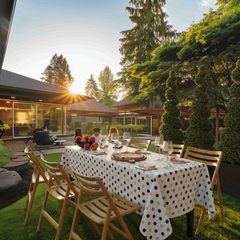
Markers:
85,142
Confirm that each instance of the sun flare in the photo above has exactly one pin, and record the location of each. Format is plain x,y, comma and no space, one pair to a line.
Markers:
73,89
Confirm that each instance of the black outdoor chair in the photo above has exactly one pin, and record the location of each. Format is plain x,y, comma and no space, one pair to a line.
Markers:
42,138
31,134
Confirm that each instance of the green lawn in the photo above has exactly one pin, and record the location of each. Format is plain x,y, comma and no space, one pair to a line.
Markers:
12,218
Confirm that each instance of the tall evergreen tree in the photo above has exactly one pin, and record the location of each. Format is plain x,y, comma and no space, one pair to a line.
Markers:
58,72
91,88
149,31
231,134
108,94
199,132
170,129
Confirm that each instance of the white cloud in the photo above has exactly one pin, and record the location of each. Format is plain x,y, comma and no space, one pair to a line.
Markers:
206,3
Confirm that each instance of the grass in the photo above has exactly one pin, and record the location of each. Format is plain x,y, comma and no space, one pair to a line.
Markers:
5,155
12,218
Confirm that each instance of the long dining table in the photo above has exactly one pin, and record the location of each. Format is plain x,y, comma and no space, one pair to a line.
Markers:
168,191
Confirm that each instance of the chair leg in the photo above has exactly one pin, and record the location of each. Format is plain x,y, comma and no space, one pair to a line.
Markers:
43,209
73,223
31,196
59,229
200,221
220,198
106,224
125,228
29,191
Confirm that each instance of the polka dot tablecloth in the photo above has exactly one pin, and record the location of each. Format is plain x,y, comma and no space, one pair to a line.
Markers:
167,192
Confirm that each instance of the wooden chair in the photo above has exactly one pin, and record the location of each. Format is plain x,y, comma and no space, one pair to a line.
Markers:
178,150
210,158
104,209
39,176
63,192
139,143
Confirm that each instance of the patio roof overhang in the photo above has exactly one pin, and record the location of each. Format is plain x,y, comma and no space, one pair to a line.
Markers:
159,111
17,87
21,94
91,107
7,8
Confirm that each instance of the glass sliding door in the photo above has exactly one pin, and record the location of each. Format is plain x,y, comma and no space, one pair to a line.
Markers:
24,118
6,117
50,117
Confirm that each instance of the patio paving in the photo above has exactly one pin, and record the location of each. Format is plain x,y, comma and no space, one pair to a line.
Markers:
20,145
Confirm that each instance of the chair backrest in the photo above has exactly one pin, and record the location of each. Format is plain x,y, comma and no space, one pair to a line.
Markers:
42,138
139,143
78,132
38,130
178,150
90,185
210,158
35,162
57,173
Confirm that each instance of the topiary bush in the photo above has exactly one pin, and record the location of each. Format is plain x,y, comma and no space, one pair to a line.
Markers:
199,132
78,124
231,134
170,129
89,125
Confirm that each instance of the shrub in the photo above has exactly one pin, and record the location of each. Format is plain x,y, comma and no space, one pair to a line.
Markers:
89,126
78,124
231,134
199,132
54,127
170,119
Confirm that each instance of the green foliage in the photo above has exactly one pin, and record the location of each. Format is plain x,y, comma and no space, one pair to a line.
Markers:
71,125
89,125
5,154
213,42
4,126
108,93
58,72
91,88
54,127
170,129
106,123
150,30
199,132
78,124
231,134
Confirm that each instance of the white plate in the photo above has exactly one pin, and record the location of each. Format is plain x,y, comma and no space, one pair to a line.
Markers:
143,152
147,164
178,162
98,153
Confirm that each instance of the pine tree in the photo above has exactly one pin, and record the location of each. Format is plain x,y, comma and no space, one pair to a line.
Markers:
149,32
199,132
58,72
91,88
231,134
170,129
108,94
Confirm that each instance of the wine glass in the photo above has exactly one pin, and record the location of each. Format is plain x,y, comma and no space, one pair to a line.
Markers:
115,139
102,142
127,138
159,144
167,148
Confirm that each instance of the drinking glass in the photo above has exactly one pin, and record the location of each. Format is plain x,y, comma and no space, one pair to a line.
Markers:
167,148
127,138
159,144
115,139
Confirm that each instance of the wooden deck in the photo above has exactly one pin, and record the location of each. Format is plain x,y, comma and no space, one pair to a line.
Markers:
20,145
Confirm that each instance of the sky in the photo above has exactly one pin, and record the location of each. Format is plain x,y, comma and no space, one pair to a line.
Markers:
85,32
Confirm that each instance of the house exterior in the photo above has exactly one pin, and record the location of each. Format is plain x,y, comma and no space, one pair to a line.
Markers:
26,104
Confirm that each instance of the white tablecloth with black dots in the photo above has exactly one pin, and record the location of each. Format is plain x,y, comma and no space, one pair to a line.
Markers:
169,191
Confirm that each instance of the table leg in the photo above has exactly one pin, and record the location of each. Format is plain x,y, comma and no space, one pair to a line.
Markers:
190,218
